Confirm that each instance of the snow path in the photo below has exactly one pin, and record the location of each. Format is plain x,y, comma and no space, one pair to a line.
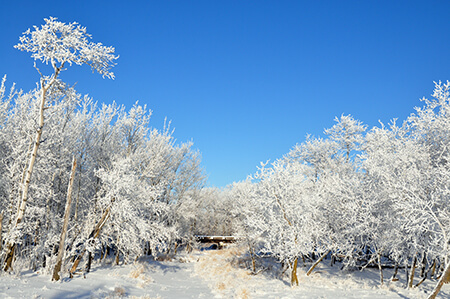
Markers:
226,280
209,274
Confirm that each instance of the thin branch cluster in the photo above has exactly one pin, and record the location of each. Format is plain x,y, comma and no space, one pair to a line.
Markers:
60,43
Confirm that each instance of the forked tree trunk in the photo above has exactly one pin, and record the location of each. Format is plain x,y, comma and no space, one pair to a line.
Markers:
62,239
317,262
445,278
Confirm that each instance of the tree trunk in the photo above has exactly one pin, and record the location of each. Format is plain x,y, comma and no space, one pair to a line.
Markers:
413,270
317,262
94,234
433,268
425,276
89,262
406,273
62,239
1,220
76,262
424,264
394,276
26,185
252,256
380,268
33,156
117,252
445,278
117,260
9,257
294,279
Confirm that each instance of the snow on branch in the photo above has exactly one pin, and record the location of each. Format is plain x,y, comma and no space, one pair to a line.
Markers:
60,43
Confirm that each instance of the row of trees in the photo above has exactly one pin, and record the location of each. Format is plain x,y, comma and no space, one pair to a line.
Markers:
77,178
364,196
80,180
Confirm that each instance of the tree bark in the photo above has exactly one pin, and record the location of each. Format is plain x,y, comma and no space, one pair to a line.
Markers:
445,278
94,234
406,273
62,239
33,156
252,256
1,220
381,269
433,268
9,257
424,264
26,186
413,270
89,262
317,262
294,278
116,259
394,276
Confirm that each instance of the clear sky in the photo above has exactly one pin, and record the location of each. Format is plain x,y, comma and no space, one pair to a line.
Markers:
247,80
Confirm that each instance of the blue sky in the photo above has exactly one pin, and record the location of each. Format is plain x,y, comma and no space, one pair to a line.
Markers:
247,80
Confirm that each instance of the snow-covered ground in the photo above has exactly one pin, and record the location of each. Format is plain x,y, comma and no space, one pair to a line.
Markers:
208,274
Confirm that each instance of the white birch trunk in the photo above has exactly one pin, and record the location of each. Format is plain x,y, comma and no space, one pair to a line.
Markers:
62,239
380,269
445,278
26,185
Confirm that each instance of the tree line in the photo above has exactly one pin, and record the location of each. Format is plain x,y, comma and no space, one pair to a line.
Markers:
364,197
80,181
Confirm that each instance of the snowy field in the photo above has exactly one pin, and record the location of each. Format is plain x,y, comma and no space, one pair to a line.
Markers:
208,274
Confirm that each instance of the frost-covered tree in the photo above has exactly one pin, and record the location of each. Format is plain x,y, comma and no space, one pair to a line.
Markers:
248,217
347,132
59,44
136,170
430,127
281,215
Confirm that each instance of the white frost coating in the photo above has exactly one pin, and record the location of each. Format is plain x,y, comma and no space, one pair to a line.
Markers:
57,42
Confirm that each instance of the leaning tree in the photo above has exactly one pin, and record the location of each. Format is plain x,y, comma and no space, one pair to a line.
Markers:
59,45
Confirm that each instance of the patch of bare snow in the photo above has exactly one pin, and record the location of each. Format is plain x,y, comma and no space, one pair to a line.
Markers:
144,279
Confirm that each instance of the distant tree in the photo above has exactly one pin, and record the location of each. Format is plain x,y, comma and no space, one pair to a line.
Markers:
347,132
